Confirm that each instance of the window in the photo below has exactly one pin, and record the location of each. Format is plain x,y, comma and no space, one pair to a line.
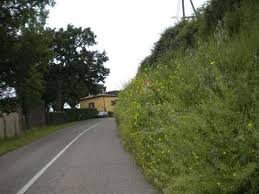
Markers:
91,105
113,102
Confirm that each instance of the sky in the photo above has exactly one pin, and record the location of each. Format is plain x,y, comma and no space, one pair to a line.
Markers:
125,29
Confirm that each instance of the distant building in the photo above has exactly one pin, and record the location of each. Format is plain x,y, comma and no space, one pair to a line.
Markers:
102,102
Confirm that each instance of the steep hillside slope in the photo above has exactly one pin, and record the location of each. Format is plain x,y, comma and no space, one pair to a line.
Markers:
190,117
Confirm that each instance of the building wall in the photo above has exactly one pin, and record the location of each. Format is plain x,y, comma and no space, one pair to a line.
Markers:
101,103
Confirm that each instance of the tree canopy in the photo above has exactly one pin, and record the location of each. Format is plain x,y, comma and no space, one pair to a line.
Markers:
43,64
24,48
76,69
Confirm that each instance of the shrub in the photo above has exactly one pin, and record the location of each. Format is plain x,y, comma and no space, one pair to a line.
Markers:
110,114
70,115
81,114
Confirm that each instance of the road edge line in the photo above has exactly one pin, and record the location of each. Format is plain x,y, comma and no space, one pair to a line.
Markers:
41,172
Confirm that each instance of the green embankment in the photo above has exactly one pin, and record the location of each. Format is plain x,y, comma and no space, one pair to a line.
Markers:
190,117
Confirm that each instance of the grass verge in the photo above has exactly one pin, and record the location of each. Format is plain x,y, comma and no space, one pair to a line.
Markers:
27,137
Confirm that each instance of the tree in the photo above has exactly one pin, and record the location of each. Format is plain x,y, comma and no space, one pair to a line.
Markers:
76,70
24,49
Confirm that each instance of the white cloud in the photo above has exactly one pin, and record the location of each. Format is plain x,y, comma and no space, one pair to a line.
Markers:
126,29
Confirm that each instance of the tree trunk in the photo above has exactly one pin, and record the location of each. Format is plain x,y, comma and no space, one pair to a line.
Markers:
60,103
26,116
72,105
23,120
20,115
47,108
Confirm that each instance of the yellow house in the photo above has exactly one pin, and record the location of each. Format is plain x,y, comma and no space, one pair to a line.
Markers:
102,102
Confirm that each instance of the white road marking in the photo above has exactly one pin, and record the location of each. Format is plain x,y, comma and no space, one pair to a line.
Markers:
38,175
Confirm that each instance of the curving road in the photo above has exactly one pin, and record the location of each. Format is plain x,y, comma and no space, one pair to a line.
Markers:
87,157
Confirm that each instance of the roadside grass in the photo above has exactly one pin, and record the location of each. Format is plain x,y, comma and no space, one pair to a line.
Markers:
27,137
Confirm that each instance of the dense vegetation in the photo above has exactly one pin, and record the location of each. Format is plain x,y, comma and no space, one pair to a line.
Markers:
39,64
71,115
76,68
190,116
24,51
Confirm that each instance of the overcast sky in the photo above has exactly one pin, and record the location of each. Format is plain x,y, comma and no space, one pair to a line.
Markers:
125,29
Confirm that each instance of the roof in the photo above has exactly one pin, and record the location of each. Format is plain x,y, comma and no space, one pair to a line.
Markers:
115,92
100,95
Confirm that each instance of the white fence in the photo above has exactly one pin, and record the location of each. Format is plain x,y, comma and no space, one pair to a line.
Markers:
10,125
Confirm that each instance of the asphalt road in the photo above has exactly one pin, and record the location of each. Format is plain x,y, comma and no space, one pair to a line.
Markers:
87,157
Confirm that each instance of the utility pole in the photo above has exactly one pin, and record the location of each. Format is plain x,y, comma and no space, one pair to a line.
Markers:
183,7
194,10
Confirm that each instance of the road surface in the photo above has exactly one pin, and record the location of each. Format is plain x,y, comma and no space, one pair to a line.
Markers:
87,157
